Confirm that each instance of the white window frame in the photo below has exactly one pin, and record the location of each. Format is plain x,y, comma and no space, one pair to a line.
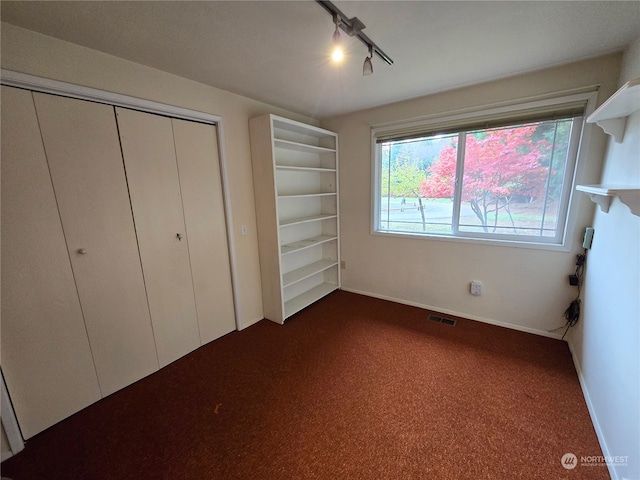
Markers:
427,124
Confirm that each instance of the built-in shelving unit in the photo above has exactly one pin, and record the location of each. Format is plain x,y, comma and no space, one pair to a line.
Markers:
602,195
295,173
612,115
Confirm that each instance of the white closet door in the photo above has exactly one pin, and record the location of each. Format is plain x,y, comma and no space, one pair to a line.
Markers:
83,150
46,358
152,174
199,168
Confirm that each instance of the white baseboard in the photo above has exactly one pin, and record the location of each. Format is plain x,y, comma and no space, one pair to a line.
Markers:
512,326
592,413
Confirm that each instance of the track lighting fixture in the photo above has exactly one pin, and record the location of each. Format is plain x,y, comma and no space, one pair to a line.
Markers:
367,67
352,27
337,55
336,34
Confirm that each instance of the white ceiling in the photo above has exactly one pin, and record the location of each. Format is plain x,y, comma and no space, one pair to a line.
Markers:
277,52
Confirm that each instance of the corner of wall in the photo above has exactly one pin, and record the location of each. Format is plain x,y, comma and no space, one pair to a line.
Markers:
605,344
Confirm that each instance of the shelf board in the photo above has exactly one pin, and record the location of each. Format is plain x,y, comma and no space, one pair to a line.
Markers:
307,271
312,218
602,195
293,168
305,299
288,125
301,147
307,195
612,115
306,243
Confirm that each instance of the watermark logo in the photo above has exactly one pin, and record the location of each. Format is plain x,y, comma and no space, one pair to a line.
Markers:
569,461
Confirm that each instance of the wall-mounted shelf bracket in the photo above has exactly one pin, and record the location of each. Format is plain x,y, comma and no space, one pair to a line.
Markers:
612,115
602,195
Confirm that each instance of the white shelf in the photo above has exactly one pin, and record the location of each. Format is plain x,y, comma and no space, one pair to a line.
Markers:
307,195
612,115
301,147
306,243
284,126
313,218
307,271
602,195
305,299
305,169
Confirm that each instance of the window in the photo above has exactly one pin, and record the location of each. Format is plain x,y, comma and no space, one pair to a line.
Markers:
504,174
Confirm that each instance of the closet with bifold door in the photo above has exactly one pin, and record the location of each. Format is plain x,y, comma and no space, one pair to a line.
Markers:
114,250
83,152
152,172
169,168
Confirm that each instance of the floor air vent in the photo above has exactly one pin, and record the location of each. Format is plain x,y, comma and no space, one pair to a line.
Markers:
446,321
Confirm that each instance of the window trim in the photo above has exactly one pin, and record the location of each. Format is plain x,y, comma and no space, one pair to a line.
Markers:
461,120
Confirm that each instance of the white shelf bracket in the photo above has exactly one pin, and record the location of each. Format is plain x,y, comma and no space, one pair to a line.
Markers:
631,200
601,200
614,127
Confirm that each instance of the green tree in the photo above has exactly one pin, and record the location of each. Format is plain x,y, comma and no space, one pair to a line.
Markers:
405,182
404,167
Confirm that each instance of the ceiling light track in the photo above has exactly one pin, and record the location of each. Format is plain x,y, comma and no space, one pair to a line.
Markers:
353,27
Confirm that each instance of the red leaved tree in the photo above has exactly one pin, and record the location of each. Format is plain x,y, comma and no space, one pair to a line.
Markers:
498,165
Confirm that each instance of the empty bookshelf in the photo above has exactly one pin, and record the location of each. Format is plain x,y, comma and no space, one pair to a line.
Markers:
295,174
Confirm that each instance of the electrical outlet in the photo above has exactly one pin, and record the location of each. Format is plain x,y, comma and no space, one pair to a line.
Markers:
343,264
476,288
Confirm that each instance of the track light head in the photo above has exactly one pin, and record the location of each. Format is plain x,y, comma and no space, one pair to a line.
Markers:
336,34
337,55
367,67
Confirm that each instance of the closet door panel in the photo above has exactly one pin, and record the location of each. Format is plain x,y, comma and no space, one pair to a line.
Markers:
201,184
152,174
83,150
46,357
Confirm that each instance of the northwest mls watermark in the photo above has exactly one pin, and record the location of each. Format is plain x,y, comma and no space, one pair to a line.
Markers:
571,461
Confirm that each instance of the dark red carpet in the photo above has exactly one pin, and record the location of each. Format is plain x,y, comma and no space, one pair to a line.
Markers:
350,388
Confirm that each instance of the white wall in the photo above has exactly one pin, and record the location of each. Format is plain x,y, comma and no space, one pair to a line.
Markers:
524,288
28,52
606,342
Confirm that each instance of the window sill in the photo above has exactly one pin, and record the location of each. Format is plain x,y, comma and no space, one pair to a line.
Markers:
490,242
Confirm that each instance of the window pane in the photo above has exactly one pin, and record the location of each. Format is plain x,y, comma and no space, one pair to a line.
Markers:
501,174
407,202
512,182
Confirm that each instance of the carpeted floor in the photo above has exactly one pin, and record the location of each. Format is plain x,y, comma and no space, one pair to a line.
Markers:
350,388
